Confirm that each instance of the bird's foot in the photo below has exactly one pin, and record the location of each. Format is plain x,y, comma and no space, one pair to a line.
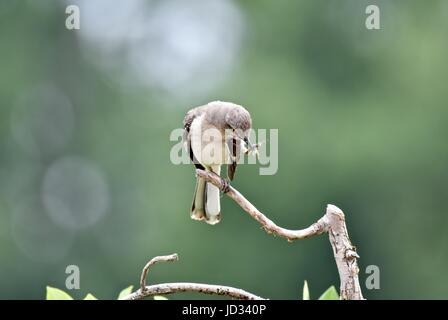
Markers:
225,185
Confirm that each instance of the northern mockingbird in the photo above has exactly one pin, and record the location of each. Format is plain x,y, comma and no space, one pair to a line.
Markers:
214,135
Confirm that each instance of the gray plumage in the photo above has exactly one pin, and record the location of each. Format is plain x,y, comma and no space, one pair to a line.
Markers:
224,128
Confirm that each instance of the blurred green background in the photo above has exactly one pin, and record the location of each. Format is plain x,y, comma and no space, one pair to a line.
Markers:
85,119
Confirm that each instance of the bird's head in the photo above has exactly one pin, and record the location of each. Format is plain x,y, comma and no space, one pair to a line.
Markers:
240,121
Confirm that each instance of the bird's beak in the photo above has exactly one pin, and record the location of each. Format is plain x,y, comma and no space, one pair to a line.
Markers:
250,148
248,143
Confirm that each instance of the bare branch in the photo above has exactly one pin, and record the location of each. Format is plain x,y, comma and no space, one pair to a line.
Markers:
268,225
169,288
171,257
344,253
332,222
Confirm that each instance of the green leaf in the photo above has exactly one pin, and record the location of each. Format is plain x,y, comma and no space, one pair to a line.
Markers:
57,294
125,292
90,296
330,294
160,298
306,291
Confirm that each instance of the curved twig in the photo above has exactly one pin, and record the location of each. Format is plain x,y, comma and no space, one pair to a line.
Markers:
268,225
332,222
169,288
171,257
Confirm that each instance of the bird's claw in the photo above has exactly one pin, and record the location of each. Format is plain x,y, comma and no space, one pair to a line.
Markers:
225,185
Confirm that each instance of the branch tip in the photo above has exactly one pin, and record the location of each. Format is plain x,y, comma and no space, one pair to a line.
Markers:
167,258
331,208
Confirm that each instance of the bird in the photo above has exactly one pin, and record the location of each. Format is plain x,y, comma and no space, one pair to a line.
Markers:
214,135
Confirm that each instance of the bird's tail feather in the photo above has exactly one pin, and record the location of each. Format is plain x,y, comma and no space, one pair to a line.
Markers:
198,206
212,204
206,202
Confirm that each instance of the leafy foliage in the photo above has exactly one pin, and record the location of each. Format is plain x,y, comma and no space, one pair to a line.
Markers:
90,296
58,294
306,291
329,294
125,292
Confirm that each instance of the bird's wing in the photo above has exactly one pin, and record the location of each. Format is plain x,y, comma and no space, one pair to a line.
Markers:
233,145
188,120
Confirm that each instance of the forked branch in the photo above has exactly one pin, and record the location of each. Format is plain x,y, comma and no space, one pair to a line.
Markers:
169,288
332,222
